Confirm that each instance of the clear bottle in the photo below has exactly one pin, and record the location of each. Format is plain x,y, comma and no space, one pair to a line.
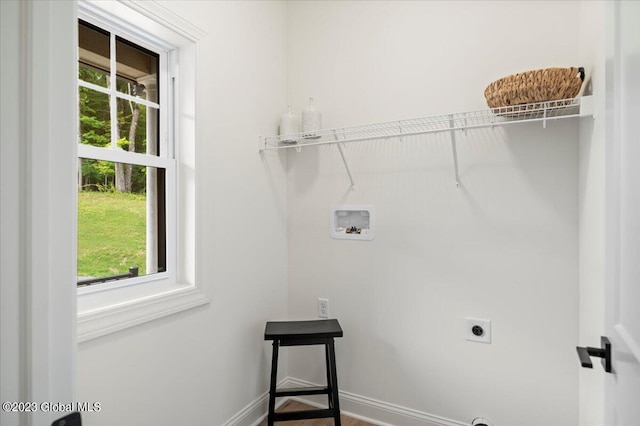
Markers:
311,121
289,125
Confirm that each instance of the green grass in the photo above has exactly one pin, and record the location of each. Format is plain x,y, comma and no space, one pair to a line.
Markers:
111,233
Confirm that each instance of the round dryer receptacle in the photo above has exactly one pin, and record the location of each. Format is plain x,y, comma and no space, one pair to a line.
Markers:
481,421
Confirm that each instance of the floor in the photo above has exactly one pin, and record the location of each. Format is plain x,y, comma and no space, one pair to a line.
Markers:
297,406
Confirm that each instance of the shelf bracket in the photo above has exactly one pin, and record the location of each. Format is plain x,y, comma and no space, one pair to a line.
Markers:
346,166
586,106
455,152
344,160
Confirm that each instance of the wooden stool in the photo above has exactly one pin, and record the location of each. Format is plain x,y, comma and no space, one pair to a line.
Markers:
299,333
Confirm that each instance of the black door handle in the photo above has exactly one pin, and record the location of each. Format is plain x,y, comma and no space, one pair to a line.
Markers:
603,352
72,419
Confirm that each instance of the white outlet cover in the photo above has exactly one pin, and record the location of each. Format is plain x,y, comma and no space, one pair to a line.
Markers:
485,324
323,308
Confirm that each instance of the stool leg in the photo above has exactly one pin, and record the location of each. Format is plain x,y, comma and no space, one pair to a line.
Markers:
272,387
334,383
329,379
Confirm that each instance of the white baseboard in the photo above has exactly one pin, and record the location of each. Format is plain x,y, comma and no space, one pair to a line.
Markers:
356,406
256,411
376,412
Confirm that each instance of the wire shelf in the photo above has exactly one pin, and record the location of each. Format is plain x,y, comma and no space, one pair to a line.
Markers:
540,111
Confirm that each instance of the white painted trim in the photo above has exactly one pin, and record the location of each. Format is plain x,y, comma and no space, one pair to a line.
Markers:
116,317
155,11
104,312
256,411
375,411
13,157
359,407
38,116
51,186
117,94
122,156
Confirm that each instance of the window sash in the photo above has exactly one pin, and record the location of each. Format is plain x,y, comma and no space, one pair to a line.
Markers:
120,95
167,61
121,156
164,160
171,236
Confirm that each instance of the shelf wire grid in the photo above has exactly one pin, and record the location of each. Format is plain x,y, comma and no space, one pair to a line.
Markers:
539,111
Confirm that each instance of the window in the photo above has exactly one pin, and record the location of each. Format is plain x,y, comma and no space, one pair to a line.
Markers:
121,205
135,166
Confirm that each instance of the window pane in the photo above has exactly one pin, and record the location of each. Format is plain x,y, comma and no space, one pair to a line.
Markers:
95,122
93,51
138,127
93,75
120,233
137,70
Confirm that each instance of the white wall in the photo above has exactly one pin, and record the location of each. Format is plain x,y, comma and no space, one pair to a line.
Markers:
591,208
503,247
205,365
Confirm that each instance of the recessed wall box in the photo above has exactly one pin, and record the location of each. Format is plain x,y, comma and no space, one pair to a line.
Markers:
353,222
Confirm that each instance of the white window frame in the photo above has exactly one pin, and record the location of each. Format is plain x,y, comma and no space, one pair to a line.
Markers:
107,308
167,57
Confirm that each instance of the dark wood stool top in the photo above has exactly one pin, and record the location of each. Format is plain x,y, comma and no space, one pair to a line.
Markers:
294,330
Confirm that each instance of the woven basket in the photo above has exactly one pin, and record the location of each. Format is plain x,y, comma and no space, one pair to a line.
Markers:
528,87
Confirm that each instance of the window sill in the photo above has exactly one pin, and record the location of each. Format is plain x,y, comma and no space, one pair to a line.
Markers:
111,317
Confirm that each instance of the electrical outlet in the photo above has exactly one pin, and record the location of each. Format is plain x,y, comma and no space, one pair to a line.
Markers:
323,308
478,330
481,421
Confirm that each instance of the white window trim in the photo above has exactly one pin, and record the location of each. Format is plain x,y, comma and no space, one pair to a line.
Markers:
107,309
